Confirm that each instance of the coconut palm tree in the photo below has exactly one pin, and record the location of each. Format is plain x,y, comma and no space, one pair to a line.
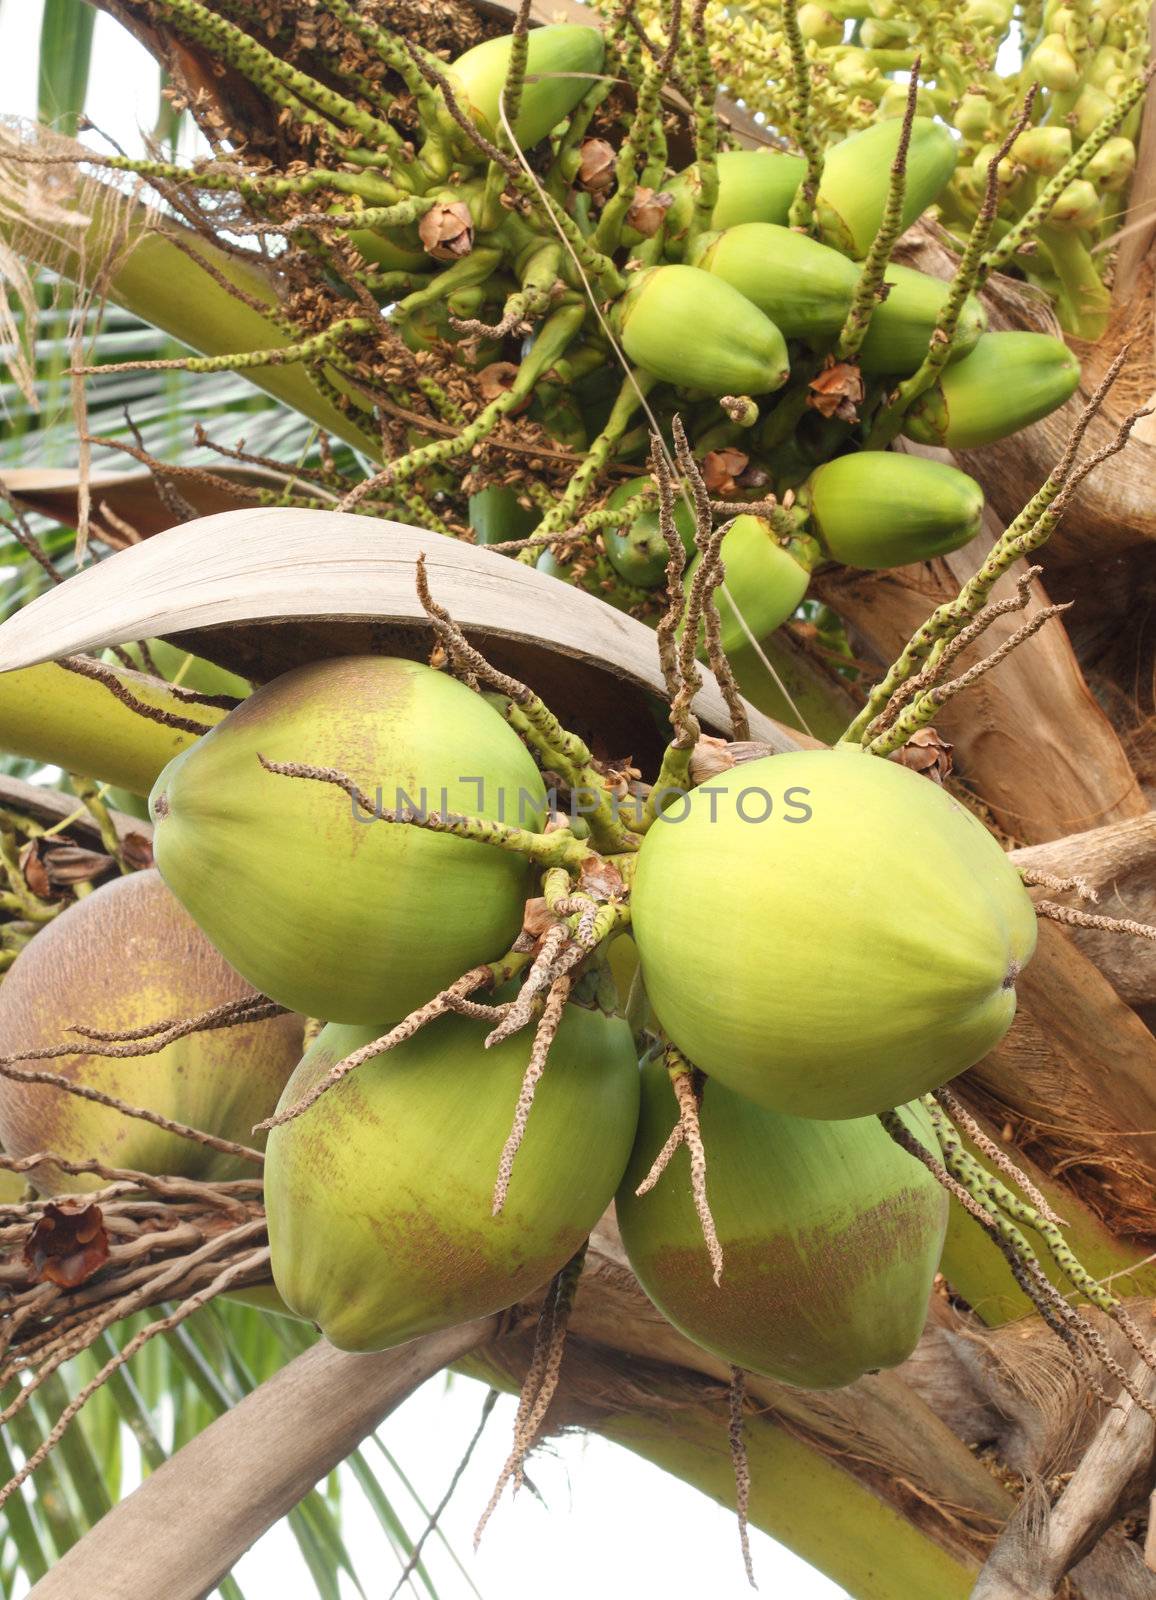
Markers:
490,406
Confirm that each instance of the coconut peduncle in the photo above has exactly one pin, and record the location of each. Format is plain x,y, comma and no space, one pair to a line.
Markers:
541,1381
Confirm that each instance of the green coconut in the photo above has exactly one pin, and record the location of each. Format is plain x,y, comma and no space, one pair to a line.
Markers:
878,509
899,334
1008,381
636,549
562,62
693,329
125,956
857,173
380,1195
804,287
765,579
334,914
830,1233
829,933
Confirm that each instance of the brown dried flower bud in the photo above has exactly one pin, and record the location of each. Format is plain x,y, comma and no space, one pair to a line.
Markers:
496,379
595,166
837,391
927,753
647,209
711,757
720,468
741,409
447,230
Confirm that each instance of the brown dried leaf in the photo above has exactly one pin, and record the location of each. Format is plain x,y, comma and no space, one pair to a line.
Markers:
837,391
137,851
596,165
720,468
927,753
537,918
447,230
646,211
601,879
67,1245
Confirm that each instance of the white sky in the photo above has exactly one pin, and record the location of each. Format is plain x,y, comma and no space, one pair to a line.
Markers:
612,1525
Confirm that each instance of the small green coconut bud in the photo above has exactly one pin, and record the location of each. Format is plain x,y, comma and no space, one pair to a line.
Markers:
1112,166
323,907
379,1197
765,578
893,102
1008,381
853,191
902,324
878,509
125,956
990,15
1090,110
974,115
1105,64
1054,64
1077,207
830,1234
692,329
1043,150
804,287
854,70
635,548
1007,170
820,25
885,33
561,62
881,930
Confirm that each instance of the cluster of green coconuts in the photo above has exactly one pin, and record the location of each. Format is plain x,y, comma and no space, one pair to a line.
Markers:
733,310
824,934
1081,59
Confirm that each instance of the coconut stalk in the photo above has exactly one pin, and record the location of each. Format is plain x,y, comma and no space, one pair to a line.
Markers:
58,717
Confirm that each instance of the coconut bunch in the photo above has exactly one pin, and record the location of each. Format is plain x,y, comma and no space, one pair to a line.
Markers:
490,929
1083,62
498,274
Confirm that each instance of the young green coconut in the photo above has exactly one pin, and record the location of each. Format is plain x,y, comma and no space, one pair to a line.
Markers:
381,1195
125,957
320,904
829,933
830,1236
